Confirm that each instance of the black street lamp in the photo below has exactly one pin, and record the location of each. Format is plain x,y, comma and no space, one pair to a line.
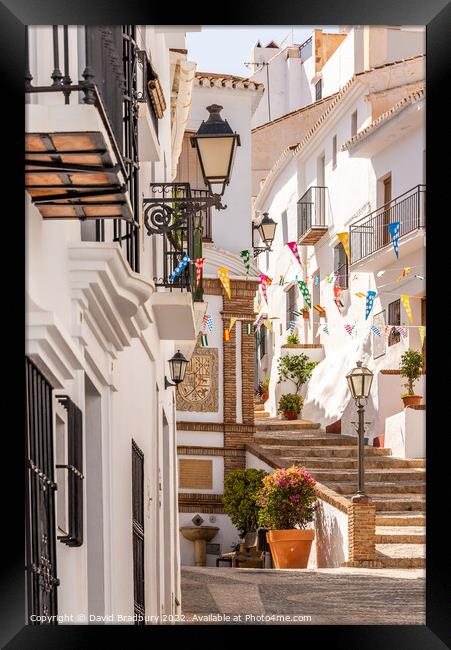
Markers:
177,365
267,231
216,145
359,382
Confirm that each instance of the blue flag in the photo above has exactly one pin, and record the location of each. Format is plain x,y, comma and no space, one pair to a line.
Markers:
394,234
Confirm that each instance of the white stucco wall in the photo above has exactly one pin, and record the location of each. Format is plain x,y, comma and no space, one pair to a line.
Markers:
405,433
226,536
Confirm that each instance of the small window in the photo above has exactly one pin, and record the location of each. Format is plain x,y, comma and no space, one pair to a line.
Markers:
318,89
334,152
394,318
340,266
73,469
290,305
354,124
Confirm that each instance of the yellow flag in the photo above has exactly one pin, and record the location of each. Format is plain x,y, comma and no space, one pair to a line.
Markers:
267,323
223,274
406,302
422,330
344,239
232,322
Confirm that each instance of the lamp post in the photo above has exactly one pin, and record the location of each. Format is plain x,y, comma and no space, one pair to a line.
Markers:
267,231
177,366
359,382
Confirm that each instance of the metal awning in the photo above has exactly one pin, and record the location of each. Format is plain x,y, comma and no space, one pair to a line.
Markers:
71,175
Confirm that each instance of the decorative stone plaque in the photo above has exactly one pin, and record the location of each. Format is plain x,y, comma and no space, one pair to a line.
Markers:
199,390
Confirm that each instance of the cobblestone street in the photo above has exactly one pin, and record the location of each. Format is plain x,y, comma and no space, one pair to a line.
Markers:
327,596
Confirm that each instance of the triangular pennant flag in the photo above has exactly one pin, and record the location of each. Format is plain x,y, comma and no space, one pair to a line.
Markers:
406,302
419,277
248,328
326,329
264,281
226,334
305,292
292,326
320,309
348,328
246,260
387,331
223,274
204,323
394,234
292,245
204,341
232,322
369,303
402,331
267,323
360,294
181,266
210,323
199,265
376,330
344,239
281,280
405,271
422,332
296,313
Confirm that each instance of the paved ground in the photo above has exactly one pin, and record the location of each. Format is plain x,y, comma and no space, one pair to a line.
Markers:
326,596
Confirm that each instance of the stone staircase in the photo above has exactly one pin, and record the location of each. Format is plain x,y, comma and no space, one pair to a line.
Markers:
396,485
259,410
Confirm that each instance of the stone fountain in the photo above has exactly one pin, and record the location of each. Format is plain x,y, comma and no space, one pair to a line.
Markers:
200,535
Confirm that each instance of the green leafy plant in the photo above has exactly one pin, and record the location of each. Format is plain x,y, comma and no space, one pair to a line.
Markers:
290,402
287,499
297,368
293,339
410,368
240,498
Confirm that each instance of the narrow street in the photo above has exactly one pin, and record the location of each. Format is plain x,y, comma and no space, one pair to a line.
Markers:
317,597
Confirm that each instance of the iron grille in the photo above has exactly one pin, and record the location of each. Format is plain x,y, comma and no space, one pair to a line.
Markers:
311,209
340,266
74,468
372,233
394,318
138,532
42,581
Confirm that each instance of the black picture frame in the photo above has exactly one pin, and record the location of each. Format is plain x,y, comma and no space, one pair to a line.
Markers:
14,14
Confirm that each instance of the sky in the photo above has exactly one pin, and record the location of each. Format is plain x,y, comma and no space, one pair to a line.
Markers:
226,49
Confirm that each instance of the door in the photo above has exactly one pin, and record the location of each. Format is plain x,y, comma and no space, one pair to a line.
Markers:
386,214
138,531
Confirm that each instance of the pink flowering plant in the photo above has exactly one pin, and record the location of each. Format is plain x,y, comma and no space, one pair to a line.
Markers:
287,499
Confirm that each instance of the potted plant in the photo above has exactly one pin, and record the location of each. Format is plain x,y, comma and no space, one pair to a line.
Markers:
410,368
293,339
305,312
297,368
263,389
240,499
290,405
287,505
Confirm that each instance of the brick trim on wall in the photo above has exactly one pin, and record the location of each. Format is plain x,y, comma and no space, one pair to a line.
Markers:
188,450
198,502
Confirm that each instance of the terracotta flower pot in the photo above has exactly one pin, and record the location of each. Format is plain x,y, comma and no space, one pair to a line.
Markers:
290,549
290,415
412,400
265,395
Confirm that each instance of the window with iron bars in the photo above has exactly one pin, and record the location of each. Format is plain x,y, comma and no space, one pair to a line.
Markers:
290,305
394,318
341,270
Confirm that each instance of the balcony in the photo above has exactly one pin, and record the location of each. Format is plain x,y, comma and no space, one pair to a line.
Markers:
312,216
371,235
81,146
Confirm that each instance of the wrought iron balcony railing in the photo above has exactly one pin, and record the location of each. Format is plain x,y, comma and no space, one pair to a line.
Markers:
312,221
110,84
178,214
372,233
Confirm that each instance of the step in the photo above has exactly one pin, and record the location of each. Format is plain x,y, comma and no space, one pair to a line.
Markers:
260,414
306,440
334,462
403,556
259,407
349,488
273,424
335,451
403,502
400,535
401,518
382,475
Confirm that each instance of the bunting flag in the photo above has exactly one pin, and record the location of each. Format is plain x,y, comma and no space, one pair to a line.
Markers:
181,266
199,265
422,331
246,260
402,331
232,322
267,323
360,294
226,334
296,313
223,274
281,280
210,323
369,303
349,328
376,330
394,234
204,341
204,323
406,302
326,277
292,245
419,277
305,292
344,239
331,278
248,328
337,295
320,309
264,281
406,271
292,326
316,283
387,331
326,329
